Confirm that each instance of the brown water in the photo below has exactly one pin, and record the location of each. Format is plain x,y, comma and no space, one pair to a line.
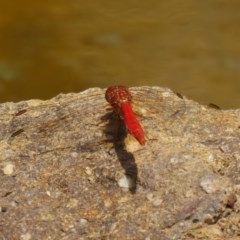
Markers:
62,46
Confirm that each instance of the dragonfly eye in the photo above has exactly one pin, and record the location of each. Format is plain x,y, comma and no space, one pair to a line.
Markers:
116,95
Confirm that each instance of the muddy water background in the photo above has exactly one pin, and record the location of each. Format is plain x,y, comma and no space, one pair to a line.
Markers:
58,46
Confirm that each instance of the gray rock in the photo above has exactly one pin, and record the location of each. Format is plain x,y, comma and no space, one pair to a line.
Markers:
62,162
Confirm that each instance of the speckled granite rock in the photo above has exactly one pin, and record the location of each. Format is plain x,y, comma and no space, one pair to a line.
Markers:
69,170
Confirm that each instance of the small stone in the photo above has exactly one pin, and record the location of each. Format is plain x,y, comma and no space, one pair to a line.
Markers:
189,194
83,222
174,160
74,154
211,157
150,196
125,182
157,202
73,203
88,171
8,168
48,193
25,236
232,199
107,203
209,185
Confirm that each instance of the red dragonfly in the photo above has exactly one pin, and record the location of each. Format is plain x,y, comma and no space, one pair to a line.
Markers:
119,97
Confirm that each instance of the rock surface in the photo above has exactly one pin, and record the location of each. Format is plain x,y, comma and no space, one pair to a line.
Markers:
69,170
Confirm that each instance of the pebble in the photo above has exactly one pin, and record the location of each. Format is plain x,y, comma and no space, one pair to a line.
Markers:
25,236
107,203
74,154
88,171
125,182
83,222
8,168
157,202
149,196
209,185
